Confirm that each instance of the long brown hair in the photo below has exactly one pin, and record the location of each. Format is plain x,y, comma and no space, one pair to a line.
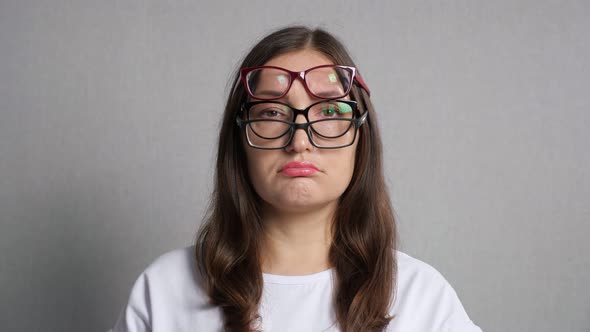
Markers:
364,235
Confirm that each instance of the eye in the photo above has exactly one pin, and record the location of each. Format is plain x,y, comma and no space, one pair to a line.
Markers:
329,110
335,109
270,111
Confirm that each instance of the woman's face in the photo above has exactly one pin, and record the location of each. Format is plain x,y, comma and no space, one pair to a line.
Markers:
300,177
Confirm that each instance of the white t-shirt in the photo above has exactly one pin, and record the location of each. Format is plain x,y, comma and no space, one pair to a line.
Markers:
166,298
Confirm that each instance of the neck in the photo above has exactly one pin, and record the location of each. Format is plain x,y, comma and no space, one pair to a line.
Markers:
296,243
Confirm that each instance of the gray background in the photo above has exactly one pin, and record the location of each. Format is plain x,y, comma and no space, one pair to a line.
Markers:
109,111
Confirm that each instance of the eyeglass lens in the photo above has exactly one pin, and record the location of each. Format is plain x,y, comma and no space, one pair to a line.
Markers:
322,82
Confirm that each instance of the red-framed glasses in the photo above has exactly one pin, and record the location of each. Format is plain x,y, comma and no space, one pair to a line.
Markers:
324,82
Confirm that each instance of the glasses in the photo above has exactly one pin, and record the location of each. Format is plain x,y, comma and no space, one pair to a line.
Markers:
324,82
271,125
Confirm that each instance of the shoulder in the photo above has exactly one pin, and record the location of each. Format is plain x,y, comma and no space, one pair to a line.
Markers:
413,264
166,293
172,274
425,300
412,270
421,284
175,262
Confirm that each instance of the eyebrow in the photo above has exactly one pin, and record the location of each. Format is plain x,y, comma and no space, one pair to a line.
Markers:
269,93
328,93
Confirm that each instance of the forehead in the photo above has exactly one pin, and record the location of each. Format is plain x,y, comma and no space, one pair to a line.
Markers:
300,60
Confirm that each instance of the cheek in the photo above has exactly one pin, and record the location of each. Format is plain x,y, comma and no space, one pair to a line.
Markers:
259,167
351,158
350,164
343,168
253,165
351,153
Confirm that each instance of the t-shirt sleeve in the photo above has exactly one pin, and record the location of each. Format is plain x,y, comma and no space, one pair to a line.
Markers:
455,316
425,300
135,317
460,326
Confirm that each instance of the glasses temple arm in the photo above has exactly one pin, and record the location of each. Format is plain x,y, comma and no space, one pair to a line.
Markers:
362,83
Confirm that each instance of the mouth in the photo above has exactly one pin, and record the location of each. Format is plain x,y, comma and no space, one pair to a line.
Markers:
298,169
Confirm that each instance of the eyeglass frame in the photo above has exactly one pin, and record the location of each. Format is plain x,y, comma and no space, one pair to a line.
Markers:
306,126
356,77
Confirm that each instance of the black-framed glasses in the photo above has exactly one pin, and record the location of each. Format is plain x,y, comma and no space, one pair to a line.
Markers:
331,124
324,82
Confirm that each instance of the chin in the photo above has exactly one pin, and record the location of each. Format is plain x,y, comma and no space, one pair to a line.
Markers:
302,205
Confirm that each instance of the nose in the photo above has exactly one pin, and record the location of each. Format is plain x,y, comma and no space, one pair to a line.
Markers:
299,98
300,141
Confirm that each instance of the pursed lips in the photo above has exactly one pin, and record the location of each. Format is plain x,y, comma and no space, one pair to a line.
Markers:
298,169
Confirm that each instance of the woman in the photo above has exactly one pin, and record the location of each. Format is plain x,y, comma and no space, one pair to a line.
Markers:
301,235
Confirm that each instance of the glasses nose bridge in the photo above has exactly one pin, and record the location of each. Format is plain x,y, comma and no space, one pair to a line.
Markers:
297,112
302,125
300,75
297,76
305,126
